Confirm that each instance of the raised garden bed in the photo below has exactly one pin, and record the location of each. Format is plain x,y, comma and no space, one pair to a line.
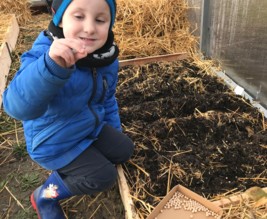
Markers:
191,129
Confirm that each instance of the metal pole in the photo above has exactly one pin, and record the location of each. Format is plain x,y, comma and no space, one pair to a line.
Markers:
205,27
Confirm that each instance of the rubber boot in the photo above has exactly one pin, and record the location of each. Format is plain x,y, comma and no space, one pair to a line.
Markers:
45,199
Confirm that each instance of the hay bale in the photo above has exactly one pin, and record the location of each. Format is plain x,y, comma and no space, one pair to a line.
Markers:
21,8
156,27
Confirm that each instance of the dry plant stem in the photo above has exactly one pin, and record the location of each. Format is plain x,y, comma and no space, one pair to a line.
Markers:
11,132
95,211
18,202
140,168
170,166
3,162
263,122
3,187
78,202
95,199
105,206
19,7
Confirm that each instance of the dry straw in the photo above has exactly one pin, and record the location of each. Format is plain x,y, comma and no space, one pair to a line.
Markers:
156,27
21,8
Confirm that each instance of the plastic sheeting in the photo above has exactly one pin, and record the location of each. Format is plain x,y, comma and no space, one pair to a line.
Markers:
235,34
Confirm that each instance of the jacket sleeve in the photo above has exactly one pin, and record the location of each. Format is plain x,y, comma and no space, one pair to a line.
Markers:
34,85
111,107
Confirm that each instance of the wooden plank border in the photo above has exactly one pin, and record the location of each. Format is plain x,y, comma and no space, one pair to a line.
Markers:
150,59
129,207
234,199
8,45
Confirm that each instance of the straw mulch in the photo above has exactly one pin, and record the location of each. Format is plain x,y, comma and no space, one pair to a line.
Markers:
21,8
156,27
252,205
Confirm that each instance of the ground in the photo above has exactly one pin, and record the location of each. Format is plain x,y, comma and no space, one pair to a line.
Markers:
190,129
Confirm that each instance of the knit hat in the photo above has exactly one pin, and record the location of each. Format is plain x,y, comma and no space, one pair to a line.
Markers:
59,6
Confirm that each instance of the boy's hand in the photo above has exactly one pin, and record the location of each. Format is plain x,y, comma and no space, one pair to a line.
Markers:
65,52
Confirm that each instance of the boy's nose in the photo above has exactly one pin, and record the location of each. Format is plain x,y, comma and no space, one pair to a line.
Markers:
89,27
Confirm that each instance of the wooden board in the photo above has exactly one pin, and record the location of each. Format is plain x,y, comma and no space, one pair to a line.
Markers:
129,207
150,59
130,210
8,45
235,199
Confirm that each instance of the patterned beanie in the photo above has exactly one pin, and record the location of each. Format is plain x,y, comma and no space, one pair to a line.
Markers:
59,6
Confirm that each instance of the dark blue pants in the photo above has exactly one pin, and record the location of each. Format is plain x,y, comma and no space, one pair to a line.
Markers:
94,170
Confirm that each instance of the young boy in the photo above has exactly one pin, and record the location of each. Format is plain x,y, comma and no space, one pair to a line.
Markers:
64,92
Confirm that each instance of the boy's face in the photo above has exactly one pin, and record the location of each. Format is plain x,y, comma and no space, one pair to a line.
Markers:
88,21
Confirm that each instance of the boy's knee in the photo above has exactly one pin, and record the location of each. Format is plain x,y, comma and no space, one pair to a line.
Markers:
106,177
103,179
129,150
126,151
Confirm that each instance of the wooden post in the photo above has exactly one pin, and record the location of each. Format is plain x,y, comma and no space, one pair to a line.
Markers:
150,59
8,45
129,207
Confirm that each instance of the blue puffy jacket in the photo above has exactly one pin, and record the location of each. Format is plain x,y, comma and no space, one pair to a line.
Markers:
63,110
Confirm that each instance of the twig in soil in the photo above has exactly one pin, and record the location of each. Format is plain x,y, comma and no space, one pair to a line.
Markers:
95,199
170,168
156,143
263,146
3,162
140,168
11,132
77,203
18,202
199,112
147,206
3,186
95,211
263,122
253,178
16,133
105,206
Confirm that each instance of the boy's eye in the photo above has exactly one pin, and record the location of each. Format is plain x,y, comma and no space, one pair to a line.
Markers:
78,17
100,20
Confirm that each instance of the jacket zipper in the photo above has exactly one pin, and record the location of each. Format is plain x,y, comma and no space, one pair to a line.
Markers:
105,87
94,72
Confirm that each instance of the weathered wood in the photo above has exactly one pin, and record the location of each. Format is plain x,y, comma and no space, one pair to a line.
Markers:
129,207
12,33
150,59
223,202
5,62
8,45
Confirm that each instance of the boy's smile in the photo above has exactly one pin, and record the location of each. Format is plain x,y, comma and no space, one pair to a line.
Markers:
88,21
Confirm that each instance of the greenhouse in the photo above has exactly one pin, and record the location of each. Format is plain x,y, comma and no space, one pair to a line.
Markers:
192,96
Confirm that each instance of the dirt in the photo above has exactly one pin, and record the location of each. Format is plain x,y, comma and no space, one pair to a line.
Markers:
190,129
15,191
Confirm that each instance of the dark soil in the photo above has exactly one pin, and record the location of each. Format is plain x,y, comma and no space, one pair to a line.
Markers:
189,128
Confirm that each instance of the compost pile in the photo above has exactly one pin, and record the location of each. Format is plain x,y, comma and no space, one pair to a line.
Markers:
189,128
